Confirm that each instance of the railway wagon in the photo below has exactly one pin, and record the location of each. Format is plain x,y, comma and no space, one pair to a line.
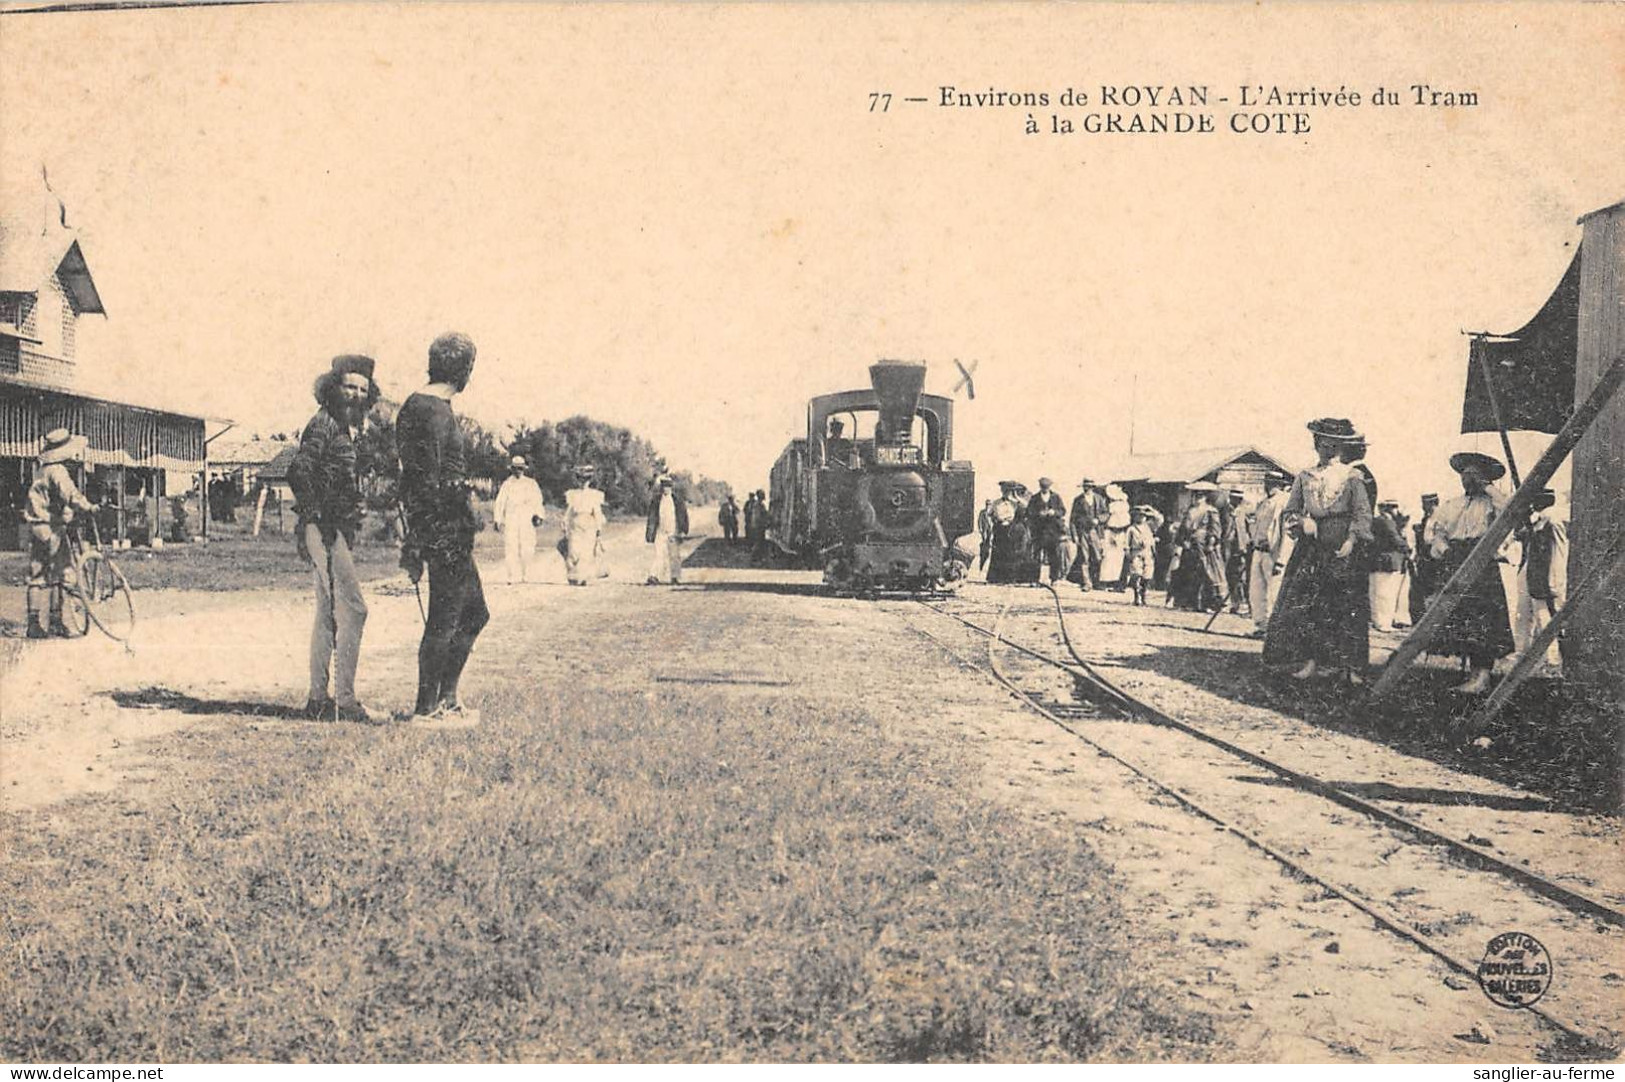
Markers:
872,494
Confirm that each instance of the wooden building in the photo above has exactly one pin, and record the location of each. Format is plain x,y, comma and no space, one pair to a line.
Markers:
1594,649
1160,479
45,288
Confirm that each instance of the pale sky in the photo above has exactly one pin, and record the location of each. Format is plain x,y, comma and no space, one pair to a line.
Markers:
687,221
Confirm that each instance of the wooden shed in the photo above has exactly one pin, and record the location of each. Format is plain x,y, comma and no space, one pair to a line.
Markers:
1594,653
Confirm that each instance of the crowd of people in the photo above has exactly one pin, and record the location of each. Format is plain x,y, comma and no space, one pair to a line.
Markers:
1317,563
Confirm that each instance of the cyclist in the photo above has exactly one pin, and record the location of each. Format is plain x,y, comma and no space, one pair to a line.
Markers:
53,499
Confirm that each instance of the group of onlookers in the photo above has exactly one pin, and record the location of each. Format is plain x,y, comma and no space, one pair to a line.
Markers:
755,516
1318,563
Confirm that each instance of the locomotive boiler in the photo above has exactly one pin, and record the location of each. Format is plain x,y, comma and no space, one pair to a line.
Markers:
872,494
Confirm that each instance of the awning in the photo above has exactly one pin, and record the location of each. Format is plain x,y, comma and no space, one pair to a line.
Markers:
117,434
1532,368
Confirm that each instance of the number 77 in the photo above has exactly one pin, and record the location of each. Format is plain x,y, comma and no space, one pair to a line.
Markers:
880,99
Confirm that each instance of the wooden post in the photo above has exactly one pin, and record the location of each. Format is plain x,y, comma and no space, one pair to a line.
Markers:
1595,581
123,512
1476,348
259,509
1515,511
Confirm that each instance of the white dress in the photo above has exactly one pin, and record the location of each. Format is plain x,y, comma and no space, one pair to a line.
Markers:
583,522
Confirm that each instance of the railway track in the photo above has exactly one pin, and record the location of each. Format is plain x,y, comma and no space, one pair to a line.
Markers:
1071,692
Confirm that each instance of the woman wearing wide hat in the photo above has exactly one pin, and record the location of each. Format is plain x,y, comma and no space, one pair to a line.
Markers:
52,500
1479,629
1322,617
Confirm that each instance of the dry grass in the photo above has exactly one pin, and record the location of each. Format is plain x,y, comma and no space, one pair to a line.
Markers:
640,878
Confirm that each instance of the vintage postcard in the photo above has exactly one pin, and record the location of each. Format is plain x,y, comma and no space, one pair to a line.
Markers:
811,532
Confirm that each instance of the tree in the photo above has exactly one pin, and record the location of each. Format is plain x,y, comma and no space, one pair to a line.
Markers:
625,463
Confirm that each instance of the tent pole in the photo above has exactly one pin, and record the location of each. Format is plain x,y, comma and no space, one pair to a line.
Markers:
1516,510
1600,576
1483,357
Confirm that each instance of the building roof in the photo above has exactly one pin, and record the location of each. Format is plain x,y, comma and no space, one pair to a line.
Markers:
1178,467
254,452
36,242
277,468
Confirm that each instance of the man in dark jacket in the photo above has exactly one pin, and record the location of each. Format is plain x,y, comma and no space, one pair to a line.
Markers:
1389,555
1046,517
440,529
756,523
323,478
1088,521
728,519
667,524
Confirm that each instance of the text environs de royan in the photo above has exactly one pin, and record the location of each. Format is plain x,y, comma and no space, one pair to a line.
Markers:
1155,108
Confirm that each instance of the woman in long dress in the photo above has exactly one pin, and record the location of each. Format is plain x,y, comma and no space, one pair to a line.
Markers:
1479,629
1114,543
583,523
1322,618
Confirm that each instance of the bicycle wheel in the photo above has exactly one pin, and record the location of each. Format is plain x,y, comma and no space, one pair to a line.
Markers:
75,612
107,596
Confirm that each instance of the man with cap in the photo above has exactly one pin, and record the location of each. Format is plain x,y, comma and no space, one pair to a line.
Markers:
1479,628
1543,571
728,519
1270,546
583,525
1234,513
1046,519
441,525
756,524
1388,555
517,512
1422,568
1201,583
1090,509
668,522
324,476
52,501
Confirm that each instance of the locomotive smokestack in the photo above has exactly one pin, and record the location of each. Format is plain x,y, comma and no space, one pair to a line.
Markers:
898,385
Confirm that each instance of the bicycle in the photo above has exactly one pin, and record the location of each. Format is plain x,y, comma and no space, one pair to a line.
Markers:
101,594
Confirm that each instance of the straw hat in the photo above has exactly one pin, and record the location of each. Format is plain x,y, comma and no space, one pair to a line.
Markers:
1334,428
61,446
1490,468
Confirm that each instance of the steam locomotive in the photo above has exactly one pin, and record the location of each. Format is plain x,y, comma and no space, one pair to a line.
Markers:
872,494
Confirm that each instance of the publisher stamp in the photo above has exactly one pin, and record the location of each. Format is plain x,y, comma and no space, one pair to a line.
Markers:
1516,970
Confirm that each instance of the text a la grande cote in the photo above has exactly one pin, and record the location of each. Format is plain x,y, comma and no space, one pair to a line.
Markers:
1258,109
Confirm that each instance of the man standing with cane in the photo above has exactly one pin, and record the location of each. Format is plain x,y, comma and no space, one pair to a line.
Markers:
441,525
328,500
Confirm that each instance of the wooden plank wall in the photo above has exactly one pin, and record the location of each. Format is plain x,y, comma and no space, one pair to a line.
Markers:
1594,650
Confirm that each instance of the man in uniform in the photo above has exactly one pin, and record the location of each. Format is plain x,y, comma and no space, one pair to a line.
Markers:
1045,517
324,479
441,526
517,512
53,499
668,522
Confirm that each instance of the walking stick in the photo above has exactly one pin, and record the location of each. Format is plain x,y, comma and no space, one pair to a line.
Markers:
400,515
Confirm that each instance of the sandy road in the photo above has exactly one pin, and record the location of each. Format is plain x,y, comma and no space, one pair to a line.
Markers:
1286,972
